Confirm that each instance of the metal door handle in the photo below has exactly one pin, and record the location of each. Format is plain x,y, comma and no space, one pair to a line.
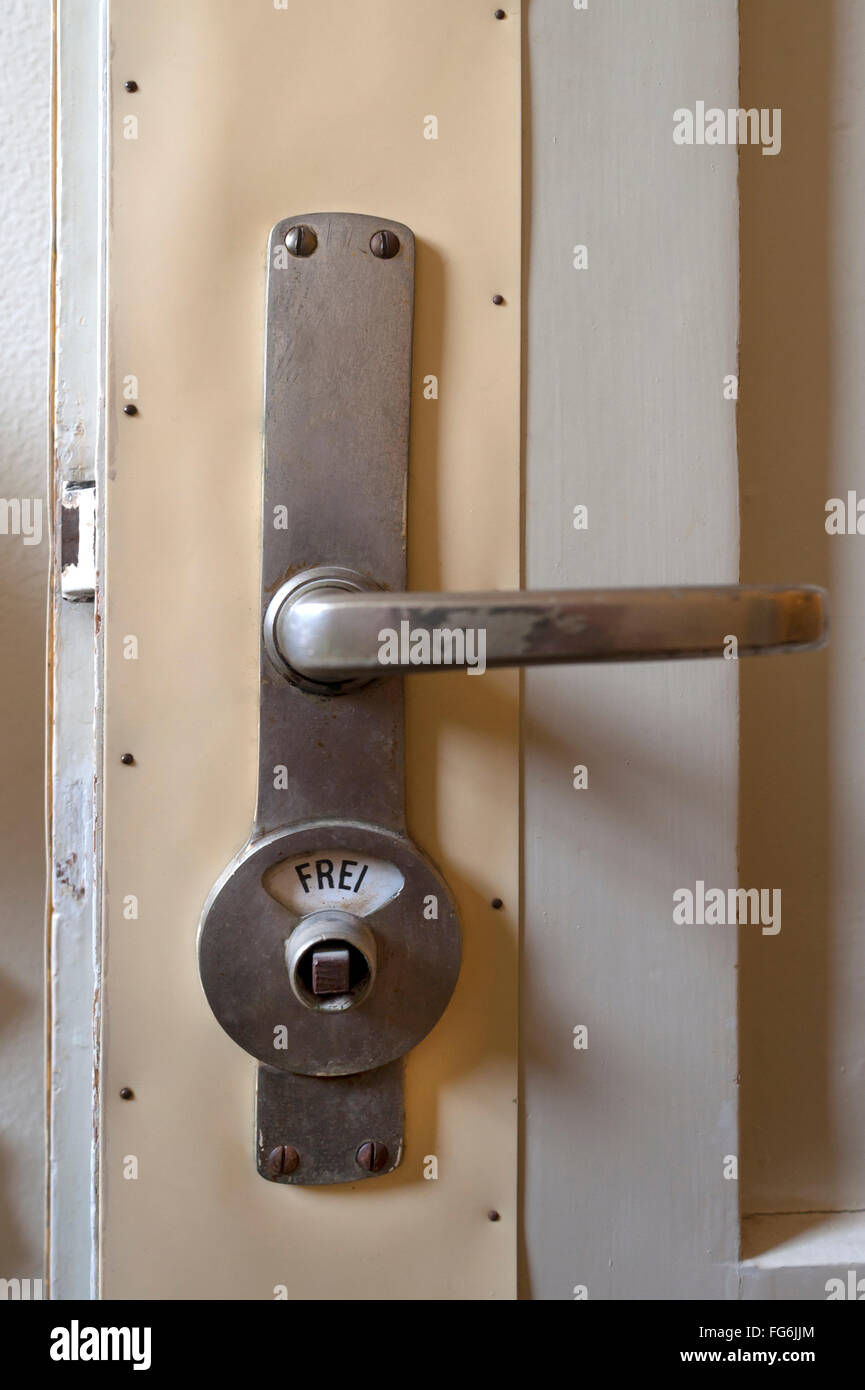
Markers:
330,946
331,629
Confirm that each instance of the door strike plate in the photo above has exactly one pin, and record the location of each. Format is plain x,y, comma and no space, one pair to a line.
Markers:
330,946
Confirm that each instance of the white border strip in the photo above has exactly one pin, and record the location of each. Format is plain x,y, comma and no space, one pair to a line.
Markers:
74,909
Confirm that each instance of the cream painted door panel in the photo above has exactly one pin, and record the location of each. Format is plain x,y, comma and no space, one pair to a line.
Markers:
245,114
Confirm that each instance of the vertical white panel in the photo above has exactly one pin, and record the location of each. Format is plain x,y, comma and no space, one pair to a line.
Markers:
625,1141
75,905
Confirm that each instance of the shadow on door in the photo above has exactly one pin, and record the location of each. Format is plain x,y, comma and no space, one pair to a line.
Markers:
798,1149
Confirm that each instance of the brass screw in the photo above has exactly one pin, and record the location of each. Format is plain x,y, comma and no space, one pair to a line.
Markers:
282,1160
384,245
372,1156
301,241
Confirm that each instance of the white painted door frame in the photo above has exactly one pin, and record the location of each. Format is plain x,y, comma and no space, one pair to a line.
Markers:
75,909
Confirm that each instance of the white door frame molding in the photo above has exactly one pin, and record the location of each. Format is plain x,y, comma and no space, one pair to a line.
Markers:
74,903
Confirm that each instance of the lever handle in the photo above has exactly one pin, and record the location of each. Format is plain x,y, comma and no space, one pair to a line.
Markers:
330,628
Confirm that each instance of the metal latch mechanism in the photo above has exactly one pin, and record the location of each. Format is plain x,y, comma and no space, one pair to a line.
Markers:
78,542
330,946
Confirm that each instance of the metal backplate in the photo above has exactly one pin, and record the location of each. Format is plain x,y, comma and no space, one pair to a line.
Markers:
331,766
327,1122
337,401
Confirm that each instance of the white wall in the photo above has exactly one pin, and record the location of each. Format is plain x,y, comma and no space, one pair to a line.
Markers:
25,266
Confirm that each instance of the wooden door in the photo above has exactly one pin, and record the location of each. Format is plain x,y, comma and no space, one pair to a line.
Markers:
573,424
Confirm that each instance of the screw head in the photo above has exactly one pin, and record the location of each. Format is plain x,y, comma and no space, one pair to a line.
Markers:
127,758
301,241
282,1160
127,1093
384,244
493,1216
500,14
131,86
497,903
130,410
372,1156
498,299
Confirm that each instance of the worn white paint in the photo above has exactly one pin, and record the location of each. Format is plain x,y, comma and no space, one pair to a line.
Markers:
625,1141
25,279
75,920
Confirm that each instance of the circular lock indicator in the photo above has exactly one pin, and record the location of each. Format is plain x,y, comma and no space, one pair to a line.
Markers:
329,949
